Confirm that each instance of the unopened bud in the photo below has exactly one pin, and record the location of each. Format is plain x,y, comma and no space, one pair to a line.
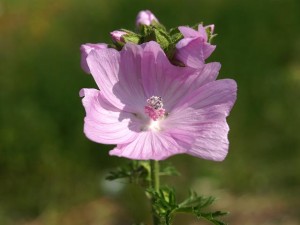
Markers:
117,36
145,17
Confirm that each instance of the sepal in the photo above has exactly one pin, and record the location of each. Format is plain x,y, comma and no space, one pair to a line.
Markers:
210,33
123,36
156,33
131,37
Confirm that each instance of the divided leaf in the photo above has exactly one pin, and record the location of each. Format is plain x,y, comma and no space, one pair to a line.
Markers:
165,206
136,172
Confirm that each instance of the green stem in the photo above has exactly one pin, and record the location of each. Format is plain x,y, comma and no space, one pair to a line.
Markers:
154,183
154,165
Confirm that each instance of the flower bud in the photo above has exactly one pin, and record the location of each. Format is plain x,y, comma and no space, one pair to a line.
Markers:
117,36
145,17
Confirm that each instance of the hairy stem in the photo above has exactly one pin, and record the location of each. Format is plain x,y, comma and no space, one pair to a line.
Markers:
154,183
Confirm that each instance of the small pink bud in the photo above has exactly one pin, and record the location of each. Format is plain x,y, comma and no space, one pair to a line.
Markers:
117,35
145,17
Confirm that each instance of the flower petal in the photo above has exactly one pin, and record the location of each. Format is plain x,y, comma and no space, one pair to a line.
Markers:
180,125
220,94
130,82
85,50
202,32
193,51
88,95
153,68
208,73
188,32
104,123
160,77
212,140
203,114
205,130
118,75
208,49
190,52
150,145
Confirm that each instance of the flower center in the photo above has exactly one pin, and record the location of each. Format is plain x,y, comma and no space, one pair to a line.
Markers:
154,108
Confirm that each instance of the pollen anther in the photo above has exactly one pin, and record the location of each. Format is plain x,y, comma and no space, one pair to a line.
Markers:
154,108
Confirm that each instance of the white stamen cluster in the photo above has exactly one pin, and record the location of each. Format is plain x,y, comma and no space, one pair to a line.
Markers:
154,108
155,102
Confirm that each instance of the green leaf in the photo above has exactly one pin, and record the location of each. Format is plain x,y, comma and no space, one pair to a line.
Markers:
136,172
165,206
212,217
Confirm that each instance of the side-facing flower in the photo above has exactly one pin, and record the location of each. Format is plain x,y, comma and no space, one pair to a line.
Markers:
85,49
152,109
194,48
145,17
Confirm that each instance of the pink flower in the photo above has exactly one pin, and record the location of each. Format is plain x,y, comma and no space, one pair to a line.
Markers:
117,35
145,17
194,48
152,109
85,50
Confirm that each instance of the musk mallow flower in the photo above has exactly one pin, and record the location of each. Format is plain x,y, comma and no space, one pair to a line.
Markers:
194,48
85,49
151,109
145,17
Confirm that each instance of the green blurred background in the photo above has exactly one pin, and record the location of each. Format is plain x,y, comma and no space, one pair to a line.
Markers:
51,174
